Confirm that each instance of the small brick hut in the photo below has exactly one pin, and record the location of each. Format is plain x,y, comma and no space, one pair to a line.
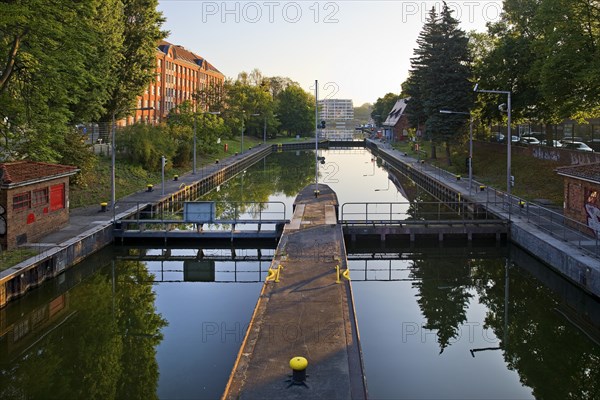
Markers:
582,194
34,200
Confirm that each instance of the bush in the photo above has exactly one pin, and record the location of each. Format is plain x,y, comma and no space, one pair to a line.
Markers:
145,144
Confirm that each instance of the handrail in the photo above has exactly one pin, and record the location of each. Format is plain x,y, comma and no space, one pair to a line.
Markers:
238,212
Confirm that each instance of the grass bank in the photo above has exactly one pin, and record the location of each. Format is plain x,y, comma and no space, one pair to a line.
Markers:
534,179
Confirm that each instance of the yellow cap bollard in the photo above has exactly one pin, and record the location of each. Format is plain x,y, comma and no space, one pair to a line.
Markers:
298,366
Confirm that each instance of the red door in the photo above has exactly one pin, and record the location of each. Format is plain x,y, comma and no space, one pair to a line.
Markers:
57,197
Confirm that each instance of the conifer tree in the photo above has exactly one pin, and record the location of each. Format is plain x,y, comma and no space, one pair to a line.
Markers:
440,79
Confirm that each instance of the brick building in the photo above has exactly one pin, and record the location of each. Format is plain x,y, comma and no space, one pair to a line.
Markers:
582,194
396,124
179,74
34,200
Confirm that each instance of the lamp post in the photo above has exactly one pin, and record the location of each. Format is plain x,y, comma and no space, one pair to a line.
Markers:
470,142
242,144
195,118
113,151
509,139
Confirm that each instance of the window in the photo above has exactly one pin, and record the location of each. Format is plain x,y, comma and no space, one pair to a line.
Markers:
40,197
22,201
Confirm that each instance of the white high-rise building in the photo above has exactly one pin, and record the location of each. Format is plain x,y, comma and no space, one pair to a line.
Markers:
341,110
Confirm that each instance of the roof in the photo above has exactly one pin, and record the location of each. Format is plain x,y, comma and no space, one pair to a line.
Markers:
183,54
397,112
21,172
589,172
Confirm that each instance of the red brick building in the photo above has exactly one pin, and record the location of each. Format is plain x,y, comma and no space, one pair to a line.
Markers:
179,74
34,200
396,124
582,194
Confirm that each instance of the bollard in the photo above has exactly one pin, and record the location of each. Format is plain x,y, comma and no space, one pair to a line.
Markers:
149,188
298,366
175,177
103,206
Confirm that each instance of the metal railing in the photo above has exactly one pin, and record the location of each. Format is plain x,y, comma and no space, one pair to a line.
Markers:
144,216
407,212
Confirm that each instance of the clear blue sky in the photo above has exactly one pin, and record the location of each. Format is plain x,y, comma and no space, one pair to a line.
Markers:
363,48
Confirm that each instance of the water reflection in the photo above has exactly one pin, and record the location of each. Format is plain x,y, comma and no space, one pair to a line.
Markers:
95,339
437,322
468,327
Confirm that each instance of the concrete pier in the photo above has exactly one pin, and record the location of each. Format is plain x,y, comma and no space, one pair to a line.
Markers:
307,313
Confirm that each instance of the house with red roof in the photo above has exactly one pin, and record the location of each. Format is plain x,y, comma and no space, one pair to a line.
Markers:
582,194
34,200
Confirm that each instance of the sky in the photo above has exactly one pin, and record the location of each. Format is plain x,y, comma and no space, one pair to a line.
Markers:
359,50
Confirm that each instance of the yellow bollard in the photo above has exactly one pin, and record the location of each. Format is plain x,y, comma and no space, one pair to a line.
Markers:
298,366
279,268
346,274
337,274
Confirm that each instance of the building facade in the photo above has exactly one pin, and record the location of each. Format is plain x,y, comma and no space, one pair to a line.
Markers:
396,123
179,74
34,200
337,113
582,194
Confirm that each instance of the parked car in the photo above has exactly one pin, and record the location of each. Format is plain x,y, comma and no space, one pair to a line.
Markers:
551,143
497,137
514,139
529,140
576,146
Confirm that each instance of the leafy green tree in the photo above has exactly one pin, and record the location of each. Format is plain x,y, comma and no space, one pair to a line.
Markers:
144,145
141,23
382,108
296,111
54,71
363,113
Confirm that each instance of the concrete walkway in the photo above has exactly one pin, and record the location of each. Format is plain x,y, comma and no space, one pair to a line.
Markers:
307,314
568,252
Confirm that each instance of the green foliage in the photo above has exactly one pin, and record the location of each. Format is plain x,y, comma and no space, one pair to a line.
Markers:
296,111
145,144
546,52
76,152
363,113
440,79
382,108
53,71
136,69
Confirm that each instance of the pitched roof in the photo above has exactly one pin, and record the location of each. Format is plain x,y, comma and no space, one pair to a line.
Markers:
397,111
589,172
20,172
181,53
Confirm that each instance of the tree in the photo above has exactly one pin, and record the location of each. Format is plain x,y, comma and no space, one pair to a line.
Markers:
363,113
440,78
382,107
296,111
136,69
54,71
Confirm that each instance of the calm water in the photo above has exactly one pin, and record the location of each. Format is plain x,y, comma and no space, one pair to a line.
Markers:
441,323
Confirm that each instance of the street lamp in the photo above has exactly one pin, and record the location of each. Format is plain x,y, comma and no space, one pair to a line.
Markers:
242,144
508,141
195,118
470,142
113,151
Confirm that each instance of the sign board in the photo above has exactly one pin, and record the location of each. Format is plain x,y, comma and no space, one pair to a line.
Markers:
199,212
198,271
